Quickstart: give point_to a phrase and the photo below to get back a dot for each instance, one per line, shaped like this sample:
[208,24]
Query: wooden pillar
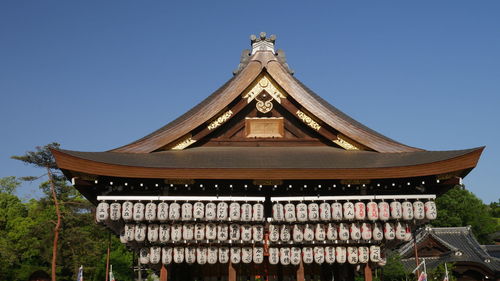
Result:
[231,272]
[163,273]
[368,272]
[300,272]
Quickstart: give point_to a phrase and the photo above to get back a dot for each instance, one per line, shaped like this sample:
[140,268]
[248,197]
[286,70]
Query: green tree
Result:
[42,158]
[9,184]
[460,207]
[394,269]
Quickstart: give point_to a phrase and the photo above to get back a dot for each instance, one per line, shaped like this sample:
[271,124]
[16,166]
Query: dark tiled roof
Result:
[269,157]
[462,245]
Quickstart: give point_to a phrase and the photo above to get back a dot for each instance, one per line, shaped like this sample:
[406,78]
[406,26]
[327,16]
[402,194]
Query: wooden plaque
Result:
[271,127]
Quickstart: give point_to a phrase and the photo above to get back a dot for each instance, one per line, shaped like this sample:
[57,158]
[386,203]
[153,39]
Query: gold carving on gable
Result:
[185,142]
[345,144]
[220,120]
[264,102]
[308,120]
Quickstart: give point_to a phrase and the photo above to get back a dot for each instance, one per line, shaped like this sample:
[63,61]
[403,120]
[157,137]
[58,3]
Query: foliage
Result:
[460,207]
[9,184]
[394,269]
[439,272]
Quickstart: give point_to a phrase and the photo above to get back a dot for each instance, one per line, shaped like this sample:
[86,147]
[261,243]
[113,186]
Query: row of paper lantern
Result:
[246,212]
[372,211]
[283,255]
[174,211]
[165,233]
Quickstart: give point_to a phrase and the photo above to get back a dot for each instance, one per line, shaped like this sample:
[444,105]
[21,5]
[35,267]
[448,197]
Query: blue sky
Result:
[94,75]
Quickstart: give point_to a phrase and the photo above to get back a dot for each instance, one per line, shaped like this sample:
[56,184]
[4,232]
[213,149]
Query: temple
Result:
[264,178]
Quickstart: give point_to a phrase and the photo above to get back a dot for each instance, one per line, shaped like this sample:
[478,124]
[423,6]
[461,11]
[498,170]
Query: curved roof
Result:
[269,163]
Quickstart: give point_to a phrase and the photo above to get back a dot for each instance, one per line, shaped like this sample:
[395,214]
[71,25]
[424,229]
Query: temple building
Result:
[264,179]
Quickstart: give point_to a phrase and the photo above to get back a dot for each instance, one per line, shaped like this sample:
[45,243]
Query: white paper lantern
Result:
[313,211]
[274,233]
[210,231]
[123,237]
[222,232]
[153,234]
[418,210]
[319,255]
[355,231]
[246,232]
[154,255]
[144,255]
[331,232]
[258,255]
[372,211]
[382,262]
[188,231]
[190,255]
[407,210]
[396,210]
[162,211]
[258,212]
[307,255]
[297,233]
[274,256]
[278,212]
[199,232]
[295,255]
[164,233]
[301,212]
[176,234]
[364,254]
[129,232]
[430,210]
[178,254]
[389,231]
[285,256]
[234,232]
[325,211]
[127,211]
[341,254]
[212,255]
[308,232]
[210,211]
[360,210]
[290,212]
[366,231]
[150,213]
[384,211]
[102,212]
[374,253]
[246,254]
[378,232]
[222,209]
[174,211]
[187,211]
[246,212]
[223,254]
[285,233]
[258,232]
[329,254]
[235,255]
[234,211]
[198,211]
[320,232]
[201,254]
[140,232]
[408,235]
[115,212]
[138,211]
[166,255]
[400,231]
[348,210]
[343,231]
[337,211]
[352,255]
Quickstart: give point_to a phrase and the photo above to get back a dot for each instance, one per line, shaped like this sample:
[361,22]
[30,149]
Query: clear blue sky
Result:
[94,75]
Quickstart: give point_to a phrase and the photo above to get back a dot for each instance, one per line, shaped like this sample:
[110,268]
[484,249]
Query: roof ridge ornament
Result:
[262,43]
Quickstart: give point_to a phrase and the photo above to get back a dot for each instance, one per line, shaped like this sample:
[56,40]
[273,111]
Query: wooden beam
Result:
[163,273]
[231,272]
[368,272]
[300,272]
